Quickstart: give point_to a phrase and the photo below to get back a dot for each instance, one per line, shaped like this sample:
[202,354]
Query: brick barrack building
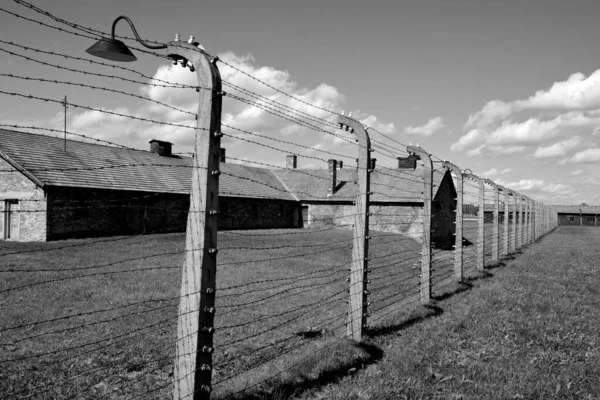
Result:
[87,190]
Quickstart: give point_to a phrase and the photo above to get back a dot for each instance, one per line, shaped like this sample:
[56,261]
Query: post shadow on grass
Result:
[310,374]
[416,316]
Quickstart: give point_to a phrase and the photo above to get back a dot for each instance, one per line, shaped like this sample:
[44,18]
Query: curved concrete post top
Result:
[453,167]
[423,155]
[491,183]
[474,178]
[354,126]
[207,73]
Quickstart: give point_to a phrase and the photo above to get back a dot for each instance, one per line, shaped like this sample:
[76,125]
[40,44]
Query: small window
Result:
[224,207]
[254,210]
[570,218]
[281,210]
[591,219]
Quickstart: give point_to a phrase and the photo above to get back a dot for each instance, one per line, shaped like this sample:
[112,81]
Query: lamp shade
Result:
[111,49]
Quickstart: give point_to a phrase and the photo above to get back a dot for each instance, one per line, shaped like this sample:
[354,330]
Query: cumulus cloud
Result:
[429,128]
[526,184]
[372,122]
[490,172]
[489,114]
[586,156]
[495,172]
[558,149]
[574,104]
[487,150]
[296,121]
[556,188]
[575,93]
[577,172]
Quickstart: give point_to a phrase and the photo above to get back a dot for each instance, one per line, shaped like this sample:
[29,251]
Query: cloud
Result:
[372,122]
[575,93]
[574,104]
[526,184]
[577,172]
[487,150]
[585,156]
[432,126]
[489,172]
[489,114]
[296,121]
[494,172]
[558,149]
[556,188]
[471,138]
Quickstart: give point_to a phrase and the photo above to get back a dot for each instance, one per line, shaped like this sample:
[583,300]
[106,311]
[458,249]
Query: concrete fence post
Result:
[526,220]
[194,347]
[458,239]
[357,310]
[519,220]
[425,287]
[534,220]
[506,249]
[513,235]
[496,225]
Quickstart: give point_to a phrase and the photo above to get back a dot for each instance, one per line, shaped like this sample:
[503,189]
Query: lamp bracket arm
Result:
[139,39]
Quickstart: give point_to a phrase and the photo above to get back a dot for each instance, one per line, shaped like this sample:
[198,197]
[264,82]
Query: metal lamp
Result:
[115,50]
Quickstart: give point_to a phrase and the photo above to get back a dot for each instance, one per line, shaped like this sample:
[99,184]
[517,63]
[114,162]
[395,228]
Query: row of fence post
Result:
[193,364]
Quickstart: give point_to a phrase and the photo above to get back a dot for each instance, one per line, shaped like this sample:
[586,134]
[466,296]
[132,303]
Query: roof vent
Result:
[161,148]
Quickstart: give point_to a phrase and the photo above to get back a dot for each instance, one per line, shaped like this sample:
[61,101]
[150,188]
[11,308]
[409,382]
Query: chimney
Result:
[222,155]
[291,161]
[373,162]
[340,164]
[161,148]
[332,177]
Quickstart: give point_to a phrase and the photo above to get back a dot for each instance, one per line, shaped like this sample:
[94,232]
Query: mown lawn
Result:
[531,330]
[97,318]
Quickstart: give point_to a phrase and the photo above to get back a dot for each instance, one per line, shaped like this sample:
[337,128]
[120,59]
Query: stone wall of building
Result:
[28,205]
[403,219]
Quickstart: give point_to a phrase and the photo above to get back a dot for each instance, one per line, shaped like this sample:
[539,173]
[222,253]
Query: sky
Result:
[508,89]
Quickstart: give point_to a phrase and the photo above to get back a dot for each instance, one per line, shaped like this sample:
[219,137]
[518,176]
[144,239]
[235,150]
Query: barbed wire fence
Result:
[370,235]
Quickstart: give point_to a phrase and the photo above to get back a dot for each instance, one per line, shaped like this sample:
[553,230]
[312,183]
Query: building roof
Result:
[583,209]
[89,165]
[387,185]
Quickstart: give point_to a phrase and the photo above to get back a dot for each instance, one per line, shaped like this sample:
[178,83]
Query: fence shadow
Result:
[309,375]
[415,316]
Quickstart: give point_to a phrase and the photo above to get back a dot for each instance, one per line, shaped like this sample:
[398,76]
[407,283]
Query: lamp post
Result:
[193,363]
[115,50]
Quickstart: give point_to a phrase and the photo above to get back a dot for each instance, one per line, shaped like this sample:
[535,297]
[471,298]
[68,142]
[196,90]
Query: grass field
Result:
[96,318]
[529,331]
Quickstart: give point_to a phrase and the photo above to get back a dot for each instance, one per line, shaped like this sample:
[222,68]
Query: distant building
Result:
[581,215]
[396,203]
